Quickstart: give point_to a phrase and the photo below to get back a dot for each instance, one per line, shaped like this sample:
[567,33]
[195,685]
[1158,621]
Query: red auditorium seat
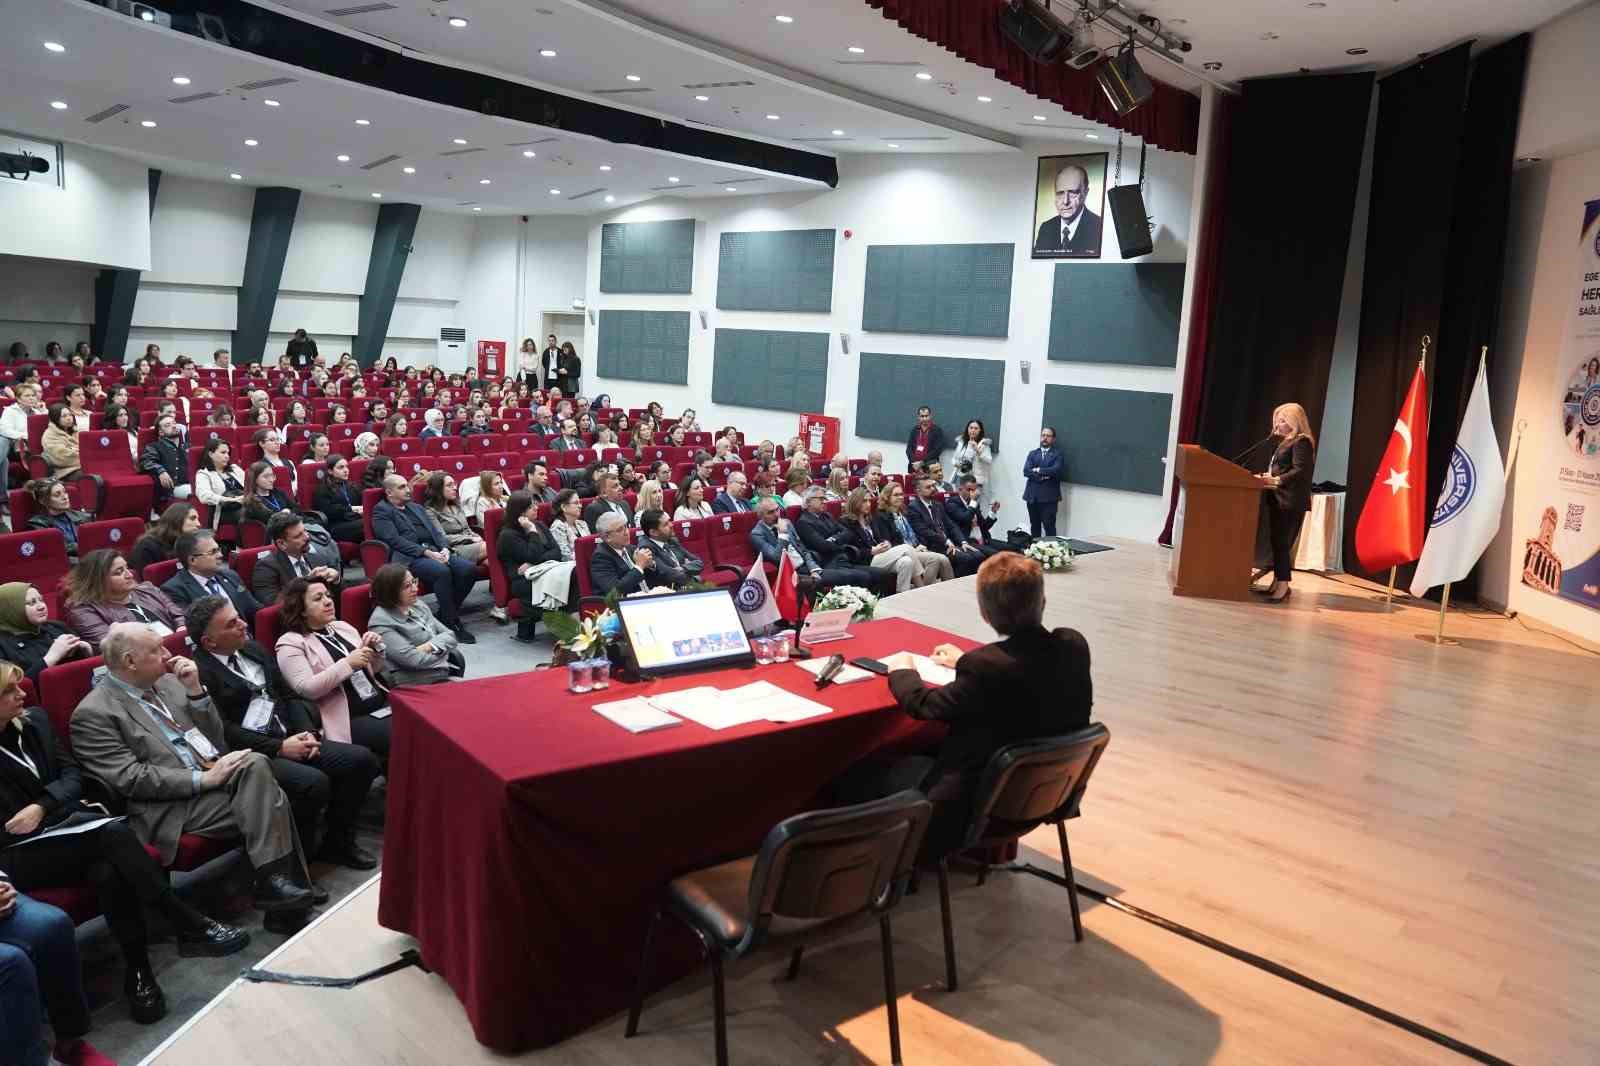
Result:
[243,562]
[401,447]
[267,628]
[355,605]
[499,580]
[441,445]
[159,573]
[695,536]
[729,535]
[39,557]
[117,533]
[127,493]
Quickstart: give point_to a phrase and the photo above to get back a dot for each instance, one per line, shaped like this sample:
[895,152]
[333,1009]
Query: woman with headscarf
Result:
[28,636]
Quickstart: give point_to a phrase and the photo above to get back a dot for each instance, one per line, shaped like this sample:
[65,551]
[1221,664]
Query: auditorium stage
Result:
[1409,824]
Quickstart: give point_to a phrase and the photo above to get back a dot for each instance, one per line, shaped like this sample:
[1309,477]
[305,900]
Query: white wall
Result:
[43,301]
[100,214]
[915,200]
[1558,114]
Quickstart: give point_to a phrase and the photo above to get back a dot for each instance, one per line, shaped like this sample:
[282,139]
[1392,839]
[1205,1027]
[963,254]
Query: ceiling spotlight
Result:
[555,192]
[730,188]
[529,153]
[893,145]
[483,181]
[458,140]
[548,53]
[236,177]
[1038,118]
[458,22]
[610,198]
[632,77]
[785,19]
[1092,136]
[270,103]
[342,158]
[923,75]
[857,50]
[363,122]
[148,123]
[377,196]
[605,166]
[250,142]
[1211,64]
[1355,51]
[837,133]
[52,46]
[773,118]
[59,105]
[179,79]
[147,16]
[408,170]
[477,209]
[702,98]
[985,99]
[673,180]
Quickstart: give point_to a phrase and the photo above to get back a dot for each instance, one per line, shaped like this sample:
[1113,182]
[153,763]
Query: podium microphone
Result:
[1240,457]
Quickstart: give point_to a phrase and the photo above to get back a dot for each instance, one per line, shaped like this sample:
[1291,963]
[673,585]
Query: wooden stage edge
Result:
[1409,824]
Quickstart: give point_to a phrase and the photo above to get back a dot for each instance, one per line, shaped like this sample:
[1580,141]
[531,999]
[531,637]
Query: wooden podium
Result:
[1214,535]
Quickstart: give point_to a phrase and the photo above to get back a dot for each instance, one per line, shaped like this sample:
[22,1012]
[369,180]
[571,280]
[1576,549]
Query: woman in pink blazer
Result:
[326,661]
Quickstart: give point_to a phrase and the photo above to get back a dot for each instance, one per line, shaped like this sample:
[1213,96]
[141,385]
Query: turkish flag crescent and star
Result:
[1393,520]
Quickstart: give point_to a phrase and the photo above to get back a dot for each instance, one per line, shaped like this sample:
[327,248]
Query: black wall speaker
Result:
[1033,29]
[1133,225]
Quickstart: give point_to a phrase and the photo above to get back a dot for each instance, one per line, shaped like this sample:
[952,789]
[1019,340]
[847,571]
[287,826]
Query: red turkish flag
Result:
[786,590]
[1389,531]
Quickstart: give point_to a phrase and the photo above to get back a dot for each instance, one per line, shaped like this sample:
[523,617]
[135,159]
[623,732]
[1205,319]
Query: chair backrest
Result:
[118,533]
[355,605]
[62,688]
[441,444]
[39,557]
[306,484]
[730,539]
[159,573]
[582,553]
[1033,782]
[267,628]
[105,452]
[369,500]
[400,446]
[694,535]
[499,580]
[831,864]
[243,562]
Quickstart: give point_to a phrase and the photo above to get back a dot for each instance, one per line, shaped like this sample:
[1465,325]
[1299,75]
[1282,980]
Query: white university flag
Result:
[1467,516]
[758,608]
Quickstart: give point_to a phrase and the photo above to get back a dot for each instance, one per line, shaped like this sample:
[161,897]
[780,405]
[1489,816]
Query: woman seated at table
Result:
[339,501]
[219,483]
[442,499]
[53,510]
[1032,683]
[102,591]
[41,789]
[326,661]
[28,636]
[157,543]
[565,525]
[420,649]
[693,503]
[543,574]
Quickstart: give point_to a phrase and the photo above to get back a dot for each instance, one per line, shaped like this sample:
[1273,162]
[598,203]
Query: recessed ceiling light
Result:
[730,188]
[773,118]
[985,99]
[1355,51]
[236,177]
[477,209]
[1038,118]
[458,22]
[555,192]
[342,158]
[673,180]
[483,181]
[785,19]
[179,79]
[408,170]
[529,153]
[147,16]
[377,196]
[1211,64]
[270,103]
[250,142]
[610,198]
[923,75]
[1092,136]
[458,140]
[548,53]
[605,166]
[54,47]
[148,123]
[837,133]
[363,122]
[857,50]
[702,98]
[893,145]
[632,77]
[59,105]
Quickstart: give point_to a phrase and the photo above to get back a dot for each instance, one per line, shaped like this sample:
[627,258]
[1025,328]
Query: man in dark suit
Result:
[610,501]
[674,565]
[165,460]
[966,511]
[1042,471]
[938,533]
[569,441]
[833,545]
[201,572]
[616,564]
[259,714]
[926,441]
[416,540]
[772,537]
[549,360]
[735,498]
[289,558]
[1074,230]
[538,485]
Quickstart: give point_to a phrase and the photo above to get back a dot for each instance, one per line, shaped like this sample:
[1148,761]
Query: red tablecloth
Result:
[527,836]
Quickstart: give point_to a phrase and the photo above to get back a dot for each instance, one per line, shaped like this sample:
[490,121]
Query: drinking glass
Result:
[579,675]
[600,673]
[763,646]
[780,646]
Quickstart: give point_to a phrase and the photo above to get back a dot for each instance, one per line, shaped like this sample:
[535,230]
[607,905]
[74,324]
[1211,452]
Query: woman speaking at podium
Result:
[1288,481]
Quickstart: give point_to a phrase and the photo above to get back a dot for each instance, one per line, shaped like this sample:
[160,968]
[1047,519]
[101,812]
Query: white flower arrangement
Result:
[1052,555]
[862,603]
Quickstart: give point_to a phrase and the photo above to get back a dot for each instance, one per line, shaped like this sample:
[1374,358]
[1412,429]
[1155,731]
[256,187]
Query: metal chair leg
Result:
[643,988]
[950,982]
[719,1006]
[794,964]
[1072,884]
[890,996]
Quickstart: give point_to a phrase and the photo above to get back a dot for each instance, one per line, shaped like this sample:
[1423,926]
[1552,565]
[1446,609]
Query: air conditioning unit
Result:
[452,355]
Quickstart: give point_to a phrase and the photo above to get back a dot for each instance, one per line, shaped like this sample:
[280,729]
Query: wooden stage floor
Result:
[1412,825]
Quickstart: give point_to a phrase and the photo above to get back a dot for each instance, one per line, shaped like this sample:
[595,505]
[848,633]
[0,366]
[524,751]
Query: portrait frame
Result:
[1088,236]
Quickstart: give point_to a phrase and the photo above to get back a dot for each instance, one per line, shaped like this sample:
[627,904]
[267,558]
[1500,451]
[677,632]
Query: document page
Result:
[636,715]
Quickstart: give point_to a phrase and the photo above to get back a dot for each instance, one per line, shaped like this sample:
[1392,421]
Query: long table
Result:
[527,836]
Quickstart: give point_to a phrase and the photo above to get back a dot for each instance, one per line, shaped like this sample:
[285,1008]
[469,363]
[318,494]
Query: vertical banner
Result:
[820,433]
[1563,557]
[491,359]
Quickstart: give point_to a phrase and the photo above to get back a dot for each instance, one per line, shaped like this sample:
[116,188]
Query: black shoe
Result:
[524,635]
[284,922]
[146,1002]
[279,892]
[462,635]
[319,895]
[348,855]
[213,939]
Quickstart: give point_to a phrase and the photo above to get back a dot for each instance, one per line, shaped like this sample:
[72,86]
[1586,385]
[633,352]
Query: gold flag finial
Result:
[1426,340]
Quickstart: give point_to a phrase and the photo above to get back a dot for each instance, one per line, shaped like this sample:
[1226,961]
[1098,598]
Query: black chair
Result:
[1025,786]
[817,875]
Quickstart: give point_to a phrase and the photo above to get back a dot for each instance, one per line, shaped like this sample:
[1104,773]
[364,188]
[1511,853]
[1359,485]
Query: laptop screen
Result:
[685,629]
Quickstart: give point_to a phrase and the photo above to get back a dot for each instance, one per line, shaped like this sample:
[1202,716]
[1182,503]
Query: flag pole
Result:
[1444,605]
[1388,597]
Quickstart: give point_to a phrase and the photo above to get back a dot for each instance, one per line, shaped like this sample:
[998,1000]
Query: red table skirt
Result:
[527,836]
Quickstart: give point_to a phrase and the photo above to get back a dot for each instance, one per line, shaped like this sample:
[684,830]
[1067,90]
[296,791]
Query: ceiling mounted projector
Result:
[1124,82]
[1033,28]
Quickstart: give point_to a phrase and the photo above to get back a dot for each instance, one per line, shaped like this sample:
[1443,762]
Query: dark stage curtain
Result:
[1414,172]
[969,28]
[1207,271]
[1292,171]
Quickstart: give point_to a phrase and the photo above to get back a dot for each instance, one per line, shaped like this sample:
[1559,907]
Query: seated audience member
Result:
[219,483]
[833,546]
[318,448]
[693,503]
[28,636]
[263,498]
[339,501]
[630,476]
[482,494]
[772,537]
[76,399]
[882,554]
[538,485]
[766,452]
[568,441]
[41,789]
[442,500]
[478,424]
[838,484]
[327,662]
[393,427]
[660,472]
[119,417]
[202,572]
[705,467]
[102,591]
[376,471]
[166,460]
[14,429]
[609,501]
[542,575]
[1032,683]
[59,445]
[415,540]
[673,565]
[934,470]
[966,512]
[40,976]
[872,480]
[155,739]
[585,480]
[616,563]
[432,423]
[566,525]
[419,649]
[270,441]
[260,714]
[891,523]
[937,532]
[221,416]
[53,510]
[796,482]
[650,497]
[735,497]
[161,537]
[291,557]
[838,462]
[368,446]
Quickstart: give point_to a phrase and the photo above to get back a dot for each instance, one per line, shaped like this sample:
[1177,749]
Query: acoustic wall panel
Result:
[645,346]
[891,388]
[958,290]
[778,370]
[776,270]
[1112,438]
[655,257]
[1116,313]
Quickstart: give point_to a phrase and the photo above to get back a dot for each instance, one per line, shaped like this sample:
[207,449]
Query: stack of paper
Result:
[814,667]
[710,707]
[931,672]
[636,715]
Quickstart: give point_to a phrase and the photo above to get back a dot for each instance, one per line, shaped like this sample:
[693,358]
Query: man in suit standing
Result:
[674,565]
[966,512]
[735,498]
[1074,230]
[416,540]
[201,572]
[155,739]
[1042,471]
[616,564]
[550,360]
[938,533]
[259,714]
[610,501]
[290,558]
[926,441]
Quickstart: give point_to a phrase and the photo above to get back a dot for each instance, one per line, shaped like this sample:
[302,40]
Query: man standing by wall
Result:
[926,441]
[301,350]
[1042,471]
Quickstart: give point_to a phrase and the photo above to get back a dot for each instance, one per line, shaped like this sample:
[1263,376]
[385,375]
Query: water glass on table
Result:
[580,675]
[600,673]
[780,645]
[763,648]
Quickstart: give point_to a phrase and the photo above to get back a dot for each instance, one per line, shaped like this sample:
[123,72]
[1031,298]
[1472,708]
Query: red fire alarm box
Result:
[491,359]
[820,434]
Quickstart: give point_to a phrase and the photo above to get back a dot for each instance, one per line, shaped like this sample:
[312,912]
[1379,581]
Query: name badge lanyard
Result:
[206,761]
[22,758]
[256,692]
